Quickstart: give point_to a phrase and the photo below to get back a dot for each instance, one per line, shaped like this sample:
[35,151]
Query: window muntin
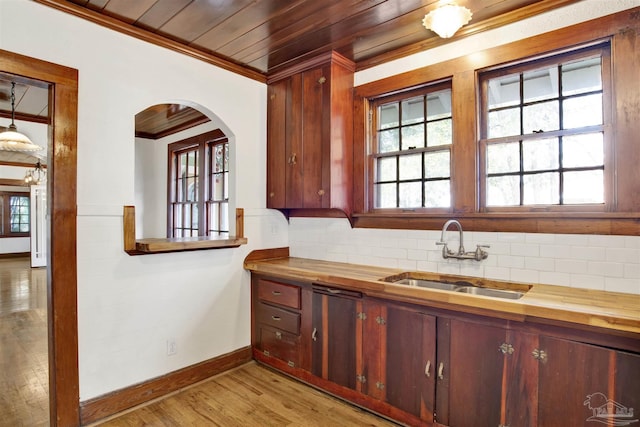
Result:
[412,153]
[199,187]
[15,211]
[544,140]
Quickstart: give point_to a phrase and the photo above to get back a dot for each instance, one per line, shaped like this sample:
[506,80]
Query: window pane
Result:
[542,116]
[226,186]
[582,76]
[439,105]
[504,123]
[413,110]
[583,150]
[218,186]
[387,169]
[504,91]
[388,140]
[410,167]
[388,116]
[503,158]
[584,187]
[224,217]
[503,191]
[540,154]
[214,214]
[582,111]
[437,194]
[385,195]
[410,194]
[19,214]
[439,133]
[413,137]
[540,84]
[437,165]
[219,158]
[541,189]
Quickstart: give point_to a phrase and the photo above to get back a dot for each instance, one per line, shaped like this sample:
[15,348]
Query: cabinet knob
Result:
[540,355]
[272,194]
[506,348]
[322,80]
[320,192]
[292,159]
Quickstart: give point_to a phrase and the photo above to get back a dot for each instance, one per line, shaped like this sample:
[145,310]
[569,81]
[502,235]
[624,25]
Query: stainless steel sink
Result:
[431,284]
[457,286]
[489,292]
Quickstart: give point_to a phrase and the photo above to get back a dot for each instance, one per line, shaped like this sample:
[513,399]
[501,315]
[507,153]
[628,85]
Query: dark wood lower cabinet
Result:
[435,367]
[334,353]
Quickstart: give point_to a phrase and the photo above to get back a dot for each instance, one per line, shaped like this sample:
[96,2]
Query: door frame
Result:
[62,315]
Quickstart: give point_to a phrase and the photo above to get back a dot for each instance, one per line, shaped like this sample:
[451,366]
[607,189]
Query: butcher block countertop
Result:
[618,313]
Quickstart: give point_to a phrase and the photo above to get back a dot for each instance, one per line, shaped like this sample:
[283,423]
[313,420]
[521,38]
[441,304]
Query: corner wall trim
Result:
[109,404]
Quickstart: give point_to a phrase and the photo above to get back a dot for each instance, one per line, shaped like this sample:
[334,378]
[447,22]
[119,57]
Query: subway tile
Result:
[617,284]
[585,281]
[431,267]
[540,238]
[555,278]
[407,264]
[587,253]
[511,237]
[496,273]
[623,255]
[571,266]
[608,269]
[414,254]
[540,264]
[524,275]
[606,241]
[632,271]
[524,249]
[511,261]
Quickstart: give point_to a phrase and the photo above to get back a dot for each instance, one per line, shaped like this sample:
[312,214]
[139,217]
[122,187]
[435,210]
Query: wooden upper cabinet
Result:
[309,136]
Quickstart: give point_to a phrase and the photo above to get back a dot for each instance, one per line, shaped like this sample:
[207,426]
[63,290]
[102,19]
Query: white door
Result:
[38,225]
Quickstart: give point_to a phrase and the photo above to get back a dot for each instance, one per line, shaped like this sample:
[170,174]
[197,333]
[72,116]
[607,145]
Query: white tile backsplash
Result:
[609,263]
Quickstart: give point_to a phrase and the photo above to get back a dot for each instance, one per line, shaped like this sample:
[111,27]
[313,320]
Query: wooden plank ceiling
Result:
[257,38]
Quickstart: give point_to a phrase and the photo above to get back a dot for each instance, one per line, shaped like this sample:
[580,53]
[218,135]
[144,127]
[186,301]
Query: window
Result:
[543,135]
[412,154]
[16,212]
[199,186]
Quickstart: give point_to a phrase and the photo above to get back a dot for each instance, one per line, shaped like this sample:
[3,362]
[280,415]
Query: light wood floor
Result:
[248,396]
[24,378]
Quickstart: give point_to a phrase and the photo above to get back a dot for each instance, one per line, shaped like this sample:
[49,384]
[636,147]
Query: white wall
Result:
[14,245]
[597,262]
[129,306]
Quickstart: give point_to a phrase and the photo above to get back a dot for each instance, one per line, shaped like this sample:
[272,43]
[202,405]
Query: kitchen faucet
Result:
[478,254]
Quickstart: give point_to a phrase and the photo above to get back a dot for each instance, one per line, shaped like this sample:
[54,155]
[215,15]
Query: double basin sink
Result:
[505,291]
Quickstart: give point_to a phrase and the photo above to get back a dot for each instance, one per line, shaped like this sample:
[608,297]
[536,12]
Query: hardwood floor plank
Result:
[251,395]
[24,374]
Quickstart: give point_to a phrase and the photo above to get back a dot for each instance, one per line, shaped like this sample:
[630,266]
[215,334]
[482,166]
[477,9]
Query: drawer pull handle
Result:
[441,371]
[279,335]
[276,293]
[275,318]
[427,368]
[314,334]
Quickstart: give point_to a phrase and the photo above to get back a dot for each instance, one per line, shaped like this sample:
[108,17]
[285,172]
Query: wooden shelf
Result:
[134,246]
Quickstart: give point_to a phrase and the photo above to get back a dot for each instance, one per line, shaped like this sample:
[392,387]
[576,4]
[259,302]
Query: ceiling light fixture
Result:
[11,139]
[447,19]
[36,176]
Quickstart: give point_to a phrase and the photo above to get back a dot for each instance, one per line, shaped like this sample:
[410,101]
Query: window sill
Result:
[620,223]
[134,246]
[155,246]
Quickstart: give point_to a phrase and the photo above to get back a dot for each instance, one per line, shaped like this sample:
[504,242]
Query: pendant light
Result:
[11,139]
[36,176]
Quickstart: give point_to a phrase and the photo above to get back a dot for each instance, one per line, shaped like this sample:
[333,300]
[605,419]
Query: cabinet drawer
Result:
[278,318]
[277,343]
[279,293]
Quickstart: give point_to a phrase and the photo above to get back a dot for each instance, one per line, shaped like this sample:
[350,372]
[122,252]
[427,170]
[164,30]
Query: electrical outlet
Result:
[172,347]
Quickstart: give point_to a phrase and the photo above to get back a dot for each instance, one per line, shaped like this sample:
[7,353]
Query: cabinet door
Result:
[314,135]
[475,373]
[581,384]
[334,354]
[277,143]
[410,361]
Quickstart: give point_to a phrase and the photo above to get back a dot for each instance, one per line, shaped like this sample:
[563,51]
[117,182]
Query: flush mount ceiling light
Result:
[11,139]
[447,19]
